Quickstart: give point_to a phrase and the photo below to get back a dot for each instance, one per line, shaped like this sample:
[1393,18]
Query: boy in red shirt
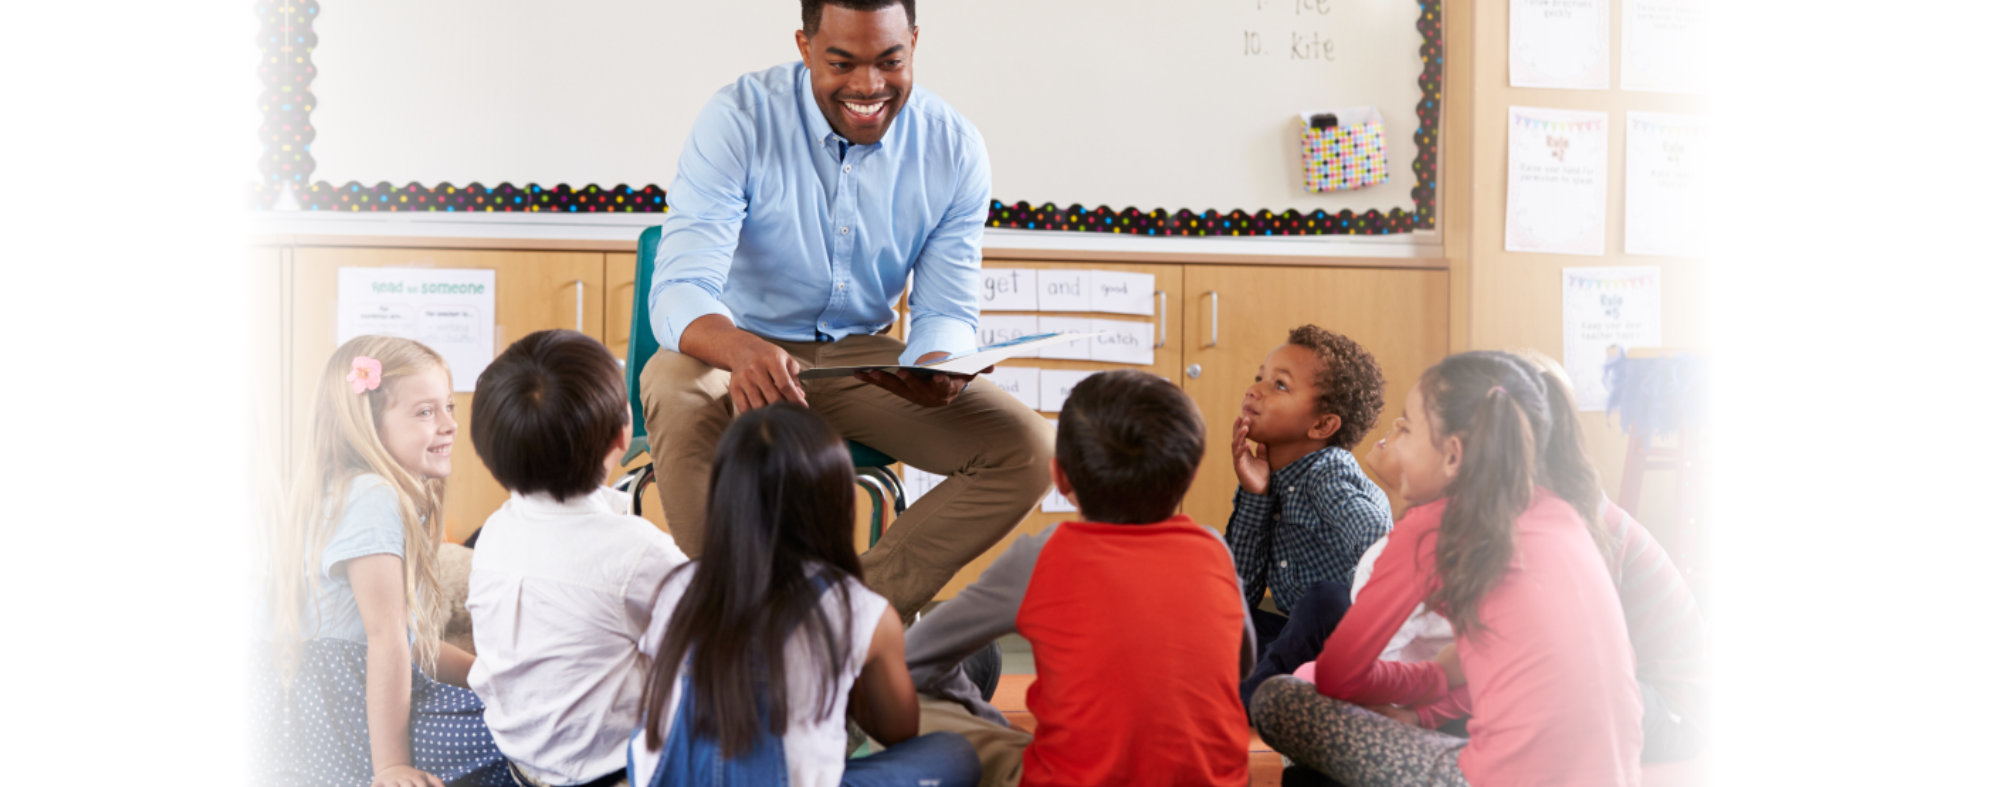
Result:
[1138,626]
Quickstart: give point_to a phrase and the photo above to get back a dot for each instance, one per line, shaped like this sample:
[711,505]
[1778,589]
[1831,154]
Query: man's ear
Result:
[1057,475]
[805,47]
[1324,427]
[1454,452]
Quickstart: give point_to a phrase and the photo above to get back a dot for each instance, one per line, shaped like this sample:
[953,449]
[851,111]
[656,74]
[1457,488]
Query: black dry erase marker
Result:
[1325,120]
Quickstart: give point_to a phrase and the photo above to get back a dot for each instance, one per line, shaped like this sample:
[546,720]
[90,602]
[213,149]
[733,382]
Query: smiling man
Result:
[807,195]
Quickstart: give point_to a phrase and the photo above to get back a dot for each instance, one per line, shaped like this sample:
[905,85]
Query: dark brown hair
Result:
[809,10]
[1349,382]
[547,411]
[1518,432]
[780,510]
[1129,443]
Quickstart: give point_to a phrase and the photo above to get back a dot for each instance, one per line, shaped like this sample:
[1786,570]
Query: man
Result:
[807,195]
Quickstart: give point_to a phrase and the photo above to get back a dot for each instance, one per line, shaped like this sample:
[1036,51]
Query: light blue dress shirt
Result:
[779,224]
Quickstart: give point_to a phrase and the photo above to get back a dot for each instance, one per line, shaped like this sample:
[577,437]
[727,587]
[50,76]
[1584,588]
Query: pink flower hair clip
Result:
[366,375]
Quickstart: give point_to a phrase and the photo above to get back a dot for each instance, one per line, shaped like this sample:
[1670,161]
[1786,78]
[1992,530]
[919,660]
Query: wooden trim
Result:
[438,242]
[1190,258]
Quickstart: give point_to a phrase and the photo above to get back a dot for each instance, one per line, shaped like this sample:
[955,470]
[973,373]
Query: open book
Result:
[965,363]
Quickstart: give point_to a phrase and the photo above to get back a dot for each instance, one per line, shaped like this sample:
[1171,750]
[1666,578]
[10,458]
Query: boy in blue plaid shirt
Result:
[1305,511]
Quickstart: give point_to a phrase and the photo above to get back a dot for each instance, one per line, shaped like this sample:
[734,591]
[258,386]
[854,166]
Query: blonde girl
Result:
[364,691]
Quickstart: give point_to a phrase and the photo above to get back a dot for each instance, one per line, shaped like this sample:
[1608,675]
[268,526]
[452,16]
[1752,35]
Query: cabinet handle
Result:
[579,306]
[1214,318]
[1160,299]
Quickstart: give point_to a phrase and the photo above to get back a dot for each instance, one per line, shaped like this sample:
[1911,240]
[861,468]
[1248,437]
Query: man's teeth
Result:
[863,110]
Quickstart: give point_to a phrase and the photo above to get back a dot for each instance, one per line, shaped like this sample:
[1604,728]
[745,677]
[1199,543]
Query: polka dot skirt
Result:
[317,733]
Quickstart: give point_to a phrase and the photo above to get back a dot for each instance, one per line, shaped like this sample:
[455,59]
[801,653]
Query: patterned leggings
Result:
[1357,746]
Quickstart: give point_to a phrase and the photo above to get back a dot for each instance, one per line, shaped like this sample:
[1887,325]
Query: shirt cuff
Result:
[678,306]
[931,334]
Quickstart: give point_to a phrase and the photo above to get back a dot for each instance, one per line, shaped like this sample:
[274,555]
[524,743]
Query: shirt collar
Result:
[816,123]
[540,503]
[1304,465]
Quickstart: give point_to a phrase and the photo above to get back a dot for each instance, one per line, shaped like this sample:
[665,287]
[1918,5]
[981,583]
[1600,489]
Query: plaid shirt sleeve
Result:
[1249,539]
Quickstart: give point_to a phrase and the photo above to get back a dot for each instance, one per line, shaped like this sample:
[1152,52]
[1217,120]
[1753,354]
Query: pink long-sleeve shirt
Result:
[1549,681]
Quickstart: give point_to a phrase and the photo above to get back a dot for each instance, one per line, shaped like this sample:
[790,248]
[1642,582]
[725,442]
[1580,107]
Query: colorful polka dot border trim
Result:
[286,71]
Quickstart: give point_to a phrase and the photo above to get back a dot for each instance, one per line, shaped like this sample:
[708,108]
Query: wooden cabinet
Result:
[1236,314]
[1222,318]
[532,291]
[1166,363]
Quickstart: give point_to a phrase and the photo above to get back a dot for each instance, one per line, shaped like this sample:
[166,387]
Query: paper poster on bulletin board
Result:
[1559,43]
[1663,183]
[1662,45]
[1556,180]
[1606,311]
[448,309]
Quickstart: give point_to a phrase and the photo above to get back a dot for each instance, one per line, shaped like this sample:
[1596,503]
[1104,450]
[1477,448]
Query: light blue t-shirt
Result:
[369,525]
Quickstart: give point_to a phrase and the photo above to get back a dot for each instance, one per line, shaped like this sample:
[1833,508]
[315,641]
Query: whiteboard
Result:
[1173,104]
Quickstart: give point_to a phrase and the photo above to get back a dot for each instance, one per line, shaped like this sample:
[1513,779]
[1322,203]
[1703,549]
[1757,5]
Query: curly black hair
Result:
[1349,381]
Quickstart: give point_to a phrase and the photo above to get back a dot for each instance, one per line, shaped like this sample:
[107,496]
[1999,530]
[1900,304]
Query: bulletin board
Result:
[1165,118]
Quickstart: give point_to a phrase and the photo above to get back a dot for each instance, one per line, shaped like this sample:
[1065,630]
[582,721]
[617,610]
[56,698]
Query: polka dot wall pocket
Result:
[1343,149]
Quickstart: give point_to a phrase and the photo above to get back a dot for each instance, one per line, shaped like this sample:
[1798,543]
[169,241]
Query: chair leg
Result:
[876,494]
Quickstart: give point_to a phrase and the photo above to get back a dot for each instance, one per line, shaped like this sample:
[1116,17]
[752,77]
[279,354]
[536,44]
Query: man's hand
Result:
[761,373]
[1447,659]
[925,389]
[1253,467]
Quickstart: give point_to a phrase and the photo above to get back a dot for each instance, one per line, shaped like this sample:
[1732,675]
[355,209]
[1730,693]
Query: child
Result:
[1138,627]
[1304,510]
[1498,485]
[563,582]
[355,597]
[764,646]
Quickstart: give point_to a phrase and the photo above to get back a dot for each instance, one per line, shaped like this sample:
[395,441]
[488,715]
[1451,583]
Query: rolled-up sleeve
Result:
[705,209]
[944,305]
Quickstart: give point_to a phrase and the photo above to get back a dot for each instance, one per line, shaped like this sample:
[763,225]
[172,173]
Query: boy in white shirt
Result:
[563,581]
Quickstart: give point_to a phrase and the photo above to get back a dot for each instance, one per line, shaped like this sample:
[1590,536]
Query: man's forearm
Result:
[710,338]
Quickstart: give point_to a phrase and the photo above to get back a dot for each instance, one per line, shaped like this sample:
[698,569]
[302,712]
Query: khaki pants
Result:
[993,448]
[999,748]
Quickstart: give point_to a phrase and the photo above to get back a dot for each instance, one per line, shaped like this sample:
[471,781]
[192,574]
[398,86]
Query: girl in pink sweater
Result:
[1503,541]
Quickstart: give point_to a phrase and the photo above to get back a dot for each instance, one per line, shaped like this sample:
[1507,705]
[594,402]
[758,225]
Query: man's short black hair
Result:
[809,10]
[1129,442]
[547,411]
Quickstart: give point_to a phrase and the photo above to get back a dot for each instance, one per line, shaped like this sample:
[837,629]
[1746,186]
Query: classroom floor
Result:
[1017,670]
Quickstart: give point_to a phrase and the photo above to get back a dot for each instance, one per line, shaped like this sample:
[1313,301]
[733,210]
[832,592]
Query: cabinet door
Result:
[1236,315]
[532,291]
[1166,363]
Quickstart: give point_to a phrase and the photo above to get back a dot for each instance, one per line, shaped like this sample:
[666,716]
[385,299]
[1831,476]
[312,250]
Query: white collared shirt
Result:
[560,595]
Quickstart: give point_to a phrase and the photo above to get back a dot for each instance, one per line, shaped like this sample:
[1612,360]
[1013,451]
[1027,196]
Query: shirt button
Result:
[848,168]
[1289,489]
[1284,564]
[840,286]
[843,230]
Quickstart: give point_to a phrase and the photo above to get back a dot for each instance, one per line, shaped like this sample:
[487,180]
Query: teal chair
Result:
[871,467]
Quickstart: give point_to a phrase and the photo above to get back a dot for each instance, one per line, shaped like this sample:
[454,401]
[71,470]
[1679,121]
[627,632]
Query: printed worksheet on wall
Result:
[1556,184]
[449,310]
[1606,312]
[1664,159]
[1559,43]
[1661,45]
